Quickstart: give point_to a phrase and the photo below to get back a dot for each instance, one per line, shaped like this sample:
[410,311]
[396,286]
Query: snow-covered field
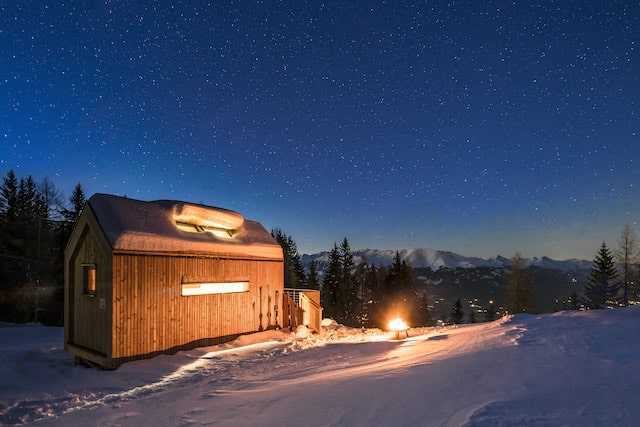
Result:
[569,368]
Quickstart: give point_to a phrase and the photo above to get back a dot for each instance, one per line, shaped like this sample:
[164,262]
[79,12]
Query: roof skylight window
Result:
[199,219]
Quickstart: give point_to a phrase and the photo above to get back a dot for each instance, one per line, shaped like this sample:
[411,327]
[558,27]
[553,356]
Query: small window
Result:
[89,279]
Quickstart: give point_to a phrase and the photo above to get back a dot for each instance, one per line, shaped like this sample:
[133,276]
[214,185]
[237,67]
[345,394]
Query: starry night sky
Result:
[477,127]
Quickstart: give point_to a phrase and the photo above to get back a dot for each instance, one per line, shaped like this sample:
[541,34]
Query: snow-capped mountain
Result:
[446,276]
[436,259]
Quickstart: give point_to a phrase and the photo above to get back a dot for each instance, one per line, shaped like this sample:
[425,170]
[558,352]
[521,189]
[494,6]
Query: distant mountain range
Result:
[435,260]
[445,276]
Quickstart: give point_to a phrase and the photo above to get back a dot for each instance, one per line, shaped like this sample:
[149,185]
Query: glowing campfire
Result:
[398,325]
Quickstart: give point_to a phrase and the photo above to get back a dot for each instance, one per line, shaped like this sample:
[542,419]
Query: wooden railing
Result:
[302,307]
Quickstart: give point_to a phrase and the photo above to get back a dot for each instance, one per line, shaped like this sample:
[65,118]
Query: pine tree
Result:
[424,314]
[26,205]
[9,201]
[472,316]
[519,294]
[49,201]
[375,296]
[339,291]
[374,284]
[363,292]
[28,219]
[78,201]
[312,277]
[52,198]
[491,314]
[398,280]
[11,272]
[602,287]
[32,243]
[348,290]
[399,294]
[294,275]
[296,264]
[346,258]
[331,283]
[574,301]
[627,256]
[71,215]
[457,315]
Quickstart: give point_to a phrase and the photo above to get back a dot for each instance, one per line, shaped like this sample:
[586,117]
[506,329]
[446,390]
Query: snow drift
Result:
[567,368]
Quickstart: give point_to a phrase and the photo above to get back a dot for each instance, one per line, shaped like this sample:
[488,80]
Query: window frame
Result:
[189,289]
[89,279]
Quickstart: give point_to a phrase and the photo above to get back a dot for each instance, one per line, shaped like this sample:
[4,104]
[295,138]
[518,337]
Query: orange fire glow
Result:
[398,324]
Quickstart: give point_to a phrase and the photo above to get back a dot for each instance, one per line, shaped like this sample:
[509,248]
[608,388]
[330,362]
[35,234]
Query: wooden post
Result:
[260,315]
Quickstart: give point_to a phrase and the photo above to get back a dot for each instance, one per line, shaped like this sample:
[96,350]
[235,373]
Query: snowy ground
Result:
[569,368]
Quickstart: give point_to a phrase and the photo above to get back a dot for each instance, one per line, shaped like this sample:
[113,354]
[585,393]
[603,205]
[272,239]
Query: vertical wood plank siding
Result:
[150,316]
[92,323]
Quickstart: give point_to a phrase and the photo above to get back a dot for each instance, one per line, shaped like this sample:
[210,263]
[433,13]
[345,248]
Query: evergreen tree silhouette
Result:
[602,288]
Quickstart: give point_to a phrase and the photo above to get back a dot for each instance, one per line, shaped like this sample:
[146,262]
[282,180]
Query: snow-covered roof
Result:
[176,227]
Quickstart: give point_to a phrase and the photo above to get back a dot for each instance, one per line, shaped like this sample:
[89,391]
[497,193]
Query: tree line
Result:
[35,224]
[36,221]
[365,295]
[362,295]
[612,281]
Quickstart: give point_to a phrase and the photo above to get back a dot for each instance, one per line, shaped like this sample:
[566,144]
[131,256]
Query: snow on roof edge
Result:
[149,227]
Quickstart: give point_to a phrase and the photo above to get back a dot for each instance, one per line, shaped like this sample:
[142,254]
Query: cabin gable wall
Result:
[88,314]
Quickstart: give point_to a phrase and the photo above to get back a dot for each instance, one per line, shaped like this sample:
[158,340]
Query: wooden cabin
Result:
[149,278]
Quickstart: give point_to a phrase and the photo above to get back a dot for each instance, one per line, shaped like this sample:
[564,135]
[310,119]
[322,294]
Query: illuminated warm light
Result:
[398,324]
[189,289]
[89,279]
[193,228]
[200,219]
[208,217]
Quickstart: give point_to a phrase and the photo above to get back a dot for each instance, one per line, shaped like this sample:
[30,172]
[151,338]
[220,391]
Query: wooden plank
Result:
[159,319]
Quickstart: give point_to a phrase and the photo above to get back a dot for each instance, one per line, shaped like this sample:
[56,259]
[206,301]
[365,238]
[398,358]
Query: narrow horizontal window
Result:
[189,289]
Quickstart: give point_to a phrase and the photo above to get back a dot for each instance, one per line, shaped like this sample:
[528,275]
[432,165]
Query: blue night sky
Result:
[477,127]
